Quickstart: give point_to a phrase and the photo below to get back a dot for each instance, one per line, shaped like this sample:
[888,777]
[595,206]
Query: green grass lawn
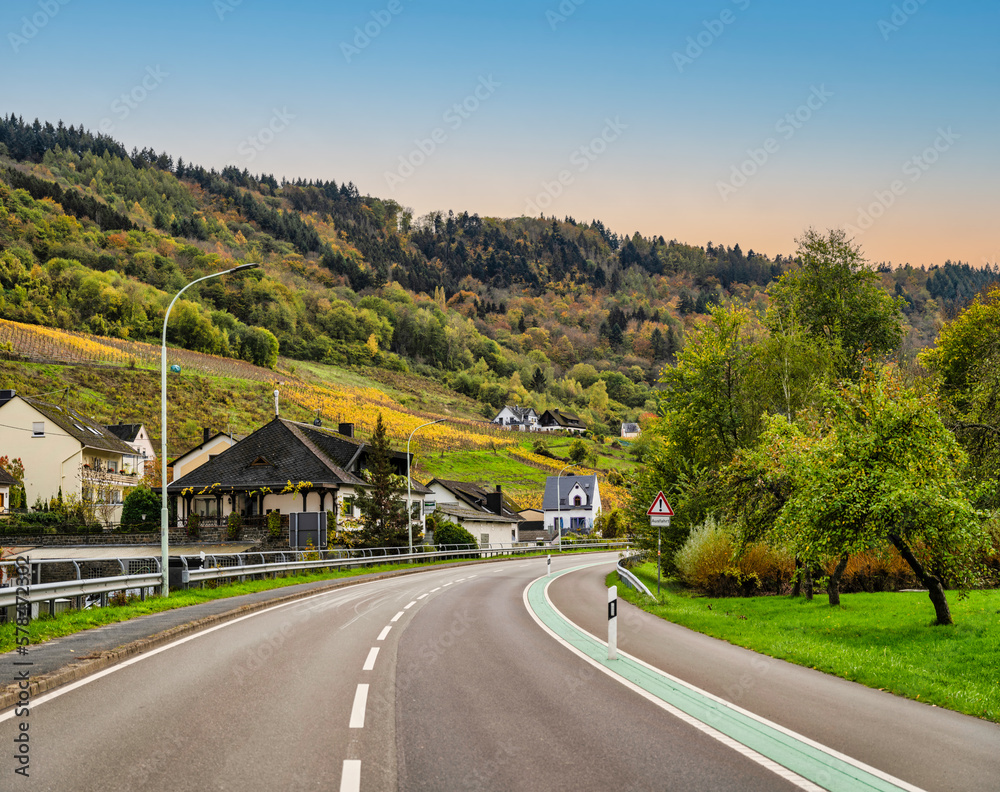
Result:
[883,640]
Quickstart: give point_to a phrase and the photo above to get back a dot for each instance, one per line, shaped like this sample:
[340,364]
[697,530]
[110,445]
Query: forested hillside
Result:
[535,311]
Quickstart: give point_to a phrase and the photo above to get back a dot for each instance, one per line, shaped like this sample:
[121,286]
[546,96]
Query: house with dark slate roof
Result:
[559,420]
[64,450]
[571,503]
[489,516]
[324,466]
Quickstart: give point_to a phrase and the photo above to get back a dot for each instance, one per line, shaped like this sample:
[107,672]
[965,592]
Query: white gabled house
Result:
[524,419]
[571,503]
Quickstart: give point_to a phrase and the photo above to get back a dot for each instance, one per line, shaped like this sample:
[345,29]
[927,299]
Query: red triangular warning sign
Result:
[660,507]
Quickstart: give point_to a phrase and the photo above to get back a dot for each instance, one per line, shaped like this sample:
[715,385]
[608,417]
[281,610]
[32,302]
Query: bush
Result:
[194,526]
[448,533]
[234,526]
[708,562]
[141,509]
[880,569]
[274,525]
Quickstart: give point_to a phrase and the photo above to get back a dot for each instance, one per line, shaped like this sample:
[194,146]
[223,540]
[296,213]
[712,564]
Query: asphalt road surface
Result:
[443,680]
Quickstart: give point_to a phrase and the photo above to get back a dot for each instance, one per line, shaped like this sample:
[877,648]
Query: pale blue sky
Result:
[686,95]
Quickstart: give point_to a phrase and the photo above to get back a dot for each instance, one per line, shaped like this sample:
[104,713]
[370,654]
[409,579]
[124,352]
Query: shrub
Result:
[709,563]
[141,509]
[274,525]
[234,526]
[194,526]
[879,569]
[448,533]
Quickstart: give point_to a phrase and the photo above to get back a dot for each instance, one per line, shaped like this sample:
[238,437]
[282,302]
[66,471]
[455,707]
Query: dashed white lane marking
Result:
[370,660]
[447,584]
[407,607]
[350,778]
[433,590]
[397,617]
[385,632]
[360,705]
[422,596]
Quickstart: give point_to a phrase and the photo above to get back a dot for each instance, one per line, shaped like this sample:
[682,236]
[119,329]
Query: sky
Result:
[723,121]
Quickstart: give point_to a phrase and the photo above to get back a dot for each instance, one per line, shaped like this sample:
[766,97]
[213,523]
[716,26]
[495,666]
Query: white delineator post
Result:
[548,564]
[613,623]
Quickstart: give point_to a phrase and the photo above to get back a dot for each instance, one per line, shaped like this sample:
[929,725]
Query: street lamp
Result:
[164,539]
[559,505]
[409,500]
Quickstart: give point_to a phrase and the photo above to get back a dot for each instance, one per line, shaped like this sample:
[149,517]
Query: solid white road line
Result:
[360,705]
[370,660]
[350,778]
[397,617]
[385,632]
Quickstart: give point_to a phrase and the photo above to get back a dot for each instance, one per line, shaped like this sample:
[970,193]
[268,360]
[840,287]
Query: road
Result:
[443,680]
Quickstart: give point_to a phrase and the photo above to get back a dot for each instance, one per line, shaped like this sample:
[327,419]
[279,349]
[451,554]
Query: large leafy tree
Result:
[886,470]
[383,510]
[836,295]
[966,360]
[715,402]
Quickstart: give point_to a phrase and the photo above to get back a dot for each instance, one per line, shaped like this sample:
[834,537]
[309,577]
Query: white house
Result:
[524,419]
[136,437]
[630,431]
[571,503]
[63,450]
[483,514]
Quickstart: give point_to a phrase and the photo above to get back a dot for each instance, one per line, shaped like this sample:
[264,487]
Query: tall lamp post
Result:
[409,498]
[559,505]
[164,537]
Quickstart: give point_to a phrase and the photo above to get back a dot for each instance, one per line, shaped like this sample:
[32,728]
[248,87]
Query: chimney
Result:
[6,395]
[206,434]
[346,429]
[494,501]
[276,393]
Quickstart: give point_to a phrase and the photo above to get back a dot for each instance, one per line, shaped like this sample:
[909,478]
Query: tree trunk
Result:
[797,575]
[833,587]
[935,589]
[809,582]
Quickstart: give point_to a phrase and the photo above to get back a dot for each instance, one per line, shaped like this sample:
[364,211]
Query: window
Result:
[577,523]
[112,466]
[484,539]
[576,501]
[349,506]
[38,429]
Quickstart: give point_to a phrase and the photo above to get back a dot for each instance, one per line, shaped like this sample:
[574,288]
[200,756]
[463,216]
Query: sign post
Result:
[613,623]
[659,517]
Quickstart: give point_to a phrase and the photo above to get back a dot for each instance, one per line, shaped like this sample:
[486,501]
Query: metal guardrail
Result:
[632,581]
[225,566]
[213,567]
[44,592]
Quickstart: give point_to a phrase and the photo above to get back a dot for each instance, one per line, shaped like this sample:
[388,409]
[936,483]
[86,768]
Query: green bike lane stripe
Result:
[803,762]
